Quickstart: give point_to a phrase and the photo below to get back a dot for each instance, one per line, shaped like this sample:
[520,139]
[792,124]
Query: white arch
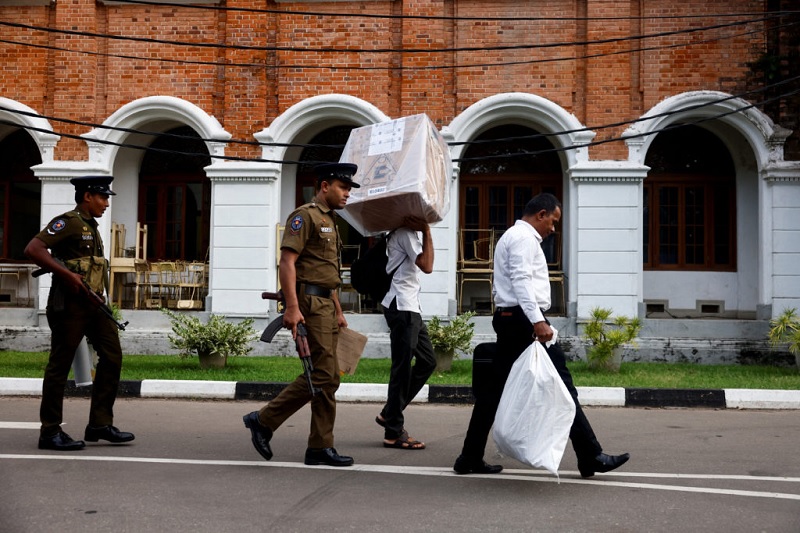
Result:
[312,115]
[525,109]
[764,137]
[37,127]
[158,114]
[299,124]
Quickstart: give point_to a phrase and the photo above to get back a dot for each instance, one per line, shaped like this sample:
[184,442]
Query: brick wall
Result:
[600,83]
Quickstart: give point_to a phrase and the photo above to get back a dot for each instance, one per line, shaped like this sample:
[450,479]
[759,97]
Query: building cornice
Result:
[607,171]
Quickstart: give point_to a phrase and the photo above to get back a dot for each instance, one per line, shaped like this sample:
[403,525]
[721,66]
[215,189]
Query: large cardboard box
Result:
[404,168]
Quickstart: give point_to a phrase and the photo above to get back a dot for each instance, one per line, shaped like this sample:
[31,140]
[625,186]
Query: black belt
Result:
[313,290]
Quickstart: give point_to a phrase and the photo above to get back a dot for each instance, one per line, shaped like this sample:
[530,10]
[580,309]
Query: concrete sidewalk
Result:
[358,392]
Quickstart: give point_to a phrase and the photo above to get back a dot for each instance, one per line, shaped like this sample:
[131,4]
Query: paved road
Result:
[192,468]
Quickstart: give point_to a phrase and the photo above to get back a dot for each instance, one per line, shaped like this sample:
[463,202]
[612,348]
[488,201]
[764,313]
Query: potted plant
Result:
[607,337]
[449,337]
[212,342]
[786,329]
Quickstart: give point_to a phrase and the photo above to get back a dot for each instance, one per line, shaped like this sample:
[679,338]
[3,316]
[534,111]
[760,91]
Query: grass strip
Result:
[285,369]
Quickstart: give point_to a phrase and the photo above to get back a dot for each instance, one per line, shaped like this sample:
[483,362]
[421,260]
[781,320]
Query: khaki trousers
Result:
[323,332]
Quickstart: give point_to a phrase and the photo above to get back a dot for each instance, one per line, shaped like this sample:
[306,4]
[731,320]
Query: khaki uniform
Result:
[71,236]
[311,232]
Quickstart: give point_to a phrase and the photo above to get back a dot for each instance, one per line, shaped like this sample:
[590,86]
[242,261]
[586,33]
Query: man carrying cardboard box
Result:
[410,251]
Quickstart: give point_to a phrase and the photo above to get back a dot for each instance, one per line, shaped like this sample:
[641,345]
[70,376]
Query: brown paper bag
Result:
[349,349]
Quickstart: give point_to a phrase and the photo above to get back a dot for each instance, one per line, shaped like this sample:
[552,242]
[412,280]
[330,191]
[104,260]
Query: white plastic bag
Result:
[82,365]
[535,413]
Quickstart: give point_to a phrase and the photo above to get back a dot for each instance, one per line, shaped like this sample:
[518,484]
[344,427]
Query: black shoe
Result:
[603,463]
[61,442]
[109,433]
[327,456]
[260,435]
[465,466]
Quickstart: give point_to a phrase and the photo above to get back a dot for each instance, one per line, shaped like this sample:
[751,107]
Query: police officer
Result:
[309,275]
[78,266]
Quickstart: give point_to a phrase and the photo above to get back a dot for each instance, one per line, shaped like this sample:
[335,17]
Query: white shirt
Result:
[520,272]
[403,248]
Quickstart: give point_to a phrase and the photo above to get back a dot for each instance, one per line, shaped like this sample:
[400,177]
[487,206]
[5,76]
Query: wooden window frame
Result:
[537,183]
[653,226]
[157,232]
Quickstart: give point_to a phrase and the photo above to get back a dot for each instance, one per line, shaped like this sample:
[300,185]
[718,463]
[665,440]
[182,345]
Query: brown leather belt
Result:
[313,290]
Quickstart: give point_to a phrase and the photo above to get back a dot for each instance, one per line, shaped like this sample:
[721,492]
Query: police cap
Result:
[341,171]
[94,184]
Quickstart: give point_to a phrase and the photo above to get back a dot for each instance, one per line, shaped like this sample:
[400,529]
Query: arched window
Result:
[175,197]
[326,146]
[689,203]
[503,168]
[20,194]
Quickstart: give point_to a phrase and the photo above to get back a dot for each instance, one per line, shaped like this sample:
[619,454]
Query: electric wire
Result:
[242,47]
[481,158]
[433,17]
[390,67]
[599,127]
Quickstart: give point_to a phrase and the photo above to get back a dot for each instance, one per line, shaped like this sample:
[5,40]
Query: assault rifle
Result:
[300,341]
[96,298]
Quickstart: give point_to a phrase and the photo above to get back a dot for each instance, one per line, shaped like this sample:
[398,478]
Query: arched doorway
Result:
[20,213]
[20,194]
[501,170]
[689,225]
[175,196]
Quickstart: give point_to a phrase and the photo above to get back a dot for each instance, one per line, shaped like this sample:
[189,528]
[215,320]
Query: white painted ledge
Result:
[21,386]
[157,388]
[602,396]
[762,399]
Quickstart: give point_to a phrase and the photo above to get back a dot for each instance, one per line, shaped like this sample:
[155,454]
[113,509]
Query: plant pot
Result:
[211,360]
[608,364]
[444,359]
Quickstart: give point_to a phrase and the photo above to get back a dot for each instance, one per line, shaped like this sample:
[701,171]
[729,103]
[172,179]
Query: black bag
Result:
[482,372]
[368,273]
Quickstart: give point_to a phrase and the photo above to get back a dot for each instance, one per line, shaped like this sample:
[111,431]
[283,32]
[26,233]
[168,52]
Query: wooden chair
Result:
[122,265]
[558,280]
[475,261]
[192,285]
[350,252]
[278,238]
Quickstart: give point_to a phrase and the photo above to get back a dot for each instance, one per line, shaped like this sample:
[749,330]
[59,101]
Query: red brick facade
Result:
[254,65]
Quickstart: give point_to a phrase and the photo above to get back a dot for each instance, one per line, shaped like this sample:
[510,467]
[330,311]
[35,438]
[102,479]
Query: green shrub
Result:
[192,337]
[606,334]
[455,335]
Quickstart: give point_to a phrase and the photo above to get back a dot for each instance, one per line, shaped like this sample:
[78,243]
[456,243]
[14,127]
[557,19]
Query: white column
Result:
[244,214]
[606,234]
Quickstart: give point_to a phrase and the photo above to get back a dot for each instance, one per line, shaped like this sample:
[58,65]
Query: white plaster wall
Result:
[683,289]
[438,287]
[608,257]
[749,245]
[243,234]
[786,246]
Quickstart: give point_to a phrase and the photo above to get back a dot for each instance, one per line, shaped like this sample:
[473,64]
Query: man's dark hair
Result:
[79,196]
[545,201]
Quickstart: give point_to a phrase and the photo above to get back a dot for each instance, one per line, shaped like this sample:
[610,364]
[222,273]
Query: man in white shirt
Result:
[410,250]
[521,293]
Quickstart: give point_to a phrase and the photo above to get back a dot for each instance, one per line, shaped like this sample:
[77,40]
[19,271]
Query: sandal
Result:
[405,442]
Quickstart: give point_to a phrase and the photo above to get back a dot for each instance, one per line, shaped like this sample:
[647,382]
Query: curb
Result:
[455,394]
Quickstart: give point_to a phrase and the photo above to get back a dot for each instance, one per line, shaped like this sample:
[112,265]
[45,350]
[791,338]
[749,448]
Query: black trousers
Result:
[410,342]
[68,328]
[514,335]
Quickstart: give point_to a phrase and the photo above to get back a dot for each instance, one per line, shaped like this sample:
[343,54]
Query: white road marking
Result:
[514,475]
[19,425]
